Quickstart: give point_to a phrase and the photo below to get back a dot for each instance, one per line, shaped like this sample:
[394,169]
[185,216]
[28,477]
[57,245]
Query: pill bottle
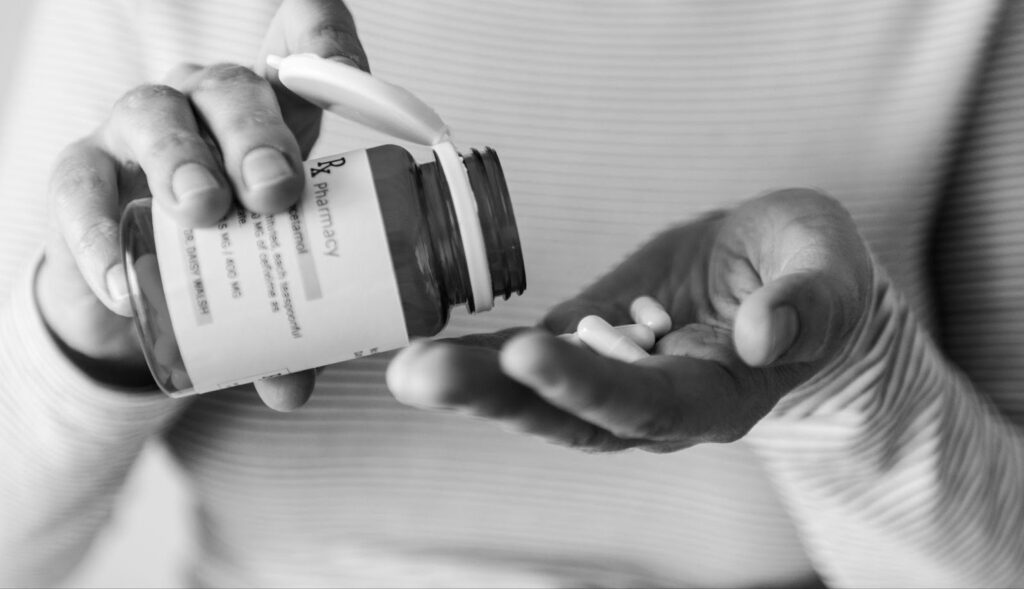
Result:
[378,250]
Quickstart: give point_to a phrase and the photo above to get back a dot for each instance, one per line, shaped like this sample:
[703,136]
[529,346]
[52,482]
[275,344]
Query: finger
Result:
[632,401]
[260,154]
[83,192]
[154,126]
[469,380]
[287,392]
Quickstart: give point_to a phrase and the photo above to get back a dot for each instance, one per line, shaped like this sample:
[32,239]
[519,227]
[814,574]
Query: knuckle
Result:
[96,235]
[658,426]
[666,447]
[73,176]
[337,36]
[590,439]
[147,98]
[176,141]
[261,120]
[806,200]
[727,433]
[219,76]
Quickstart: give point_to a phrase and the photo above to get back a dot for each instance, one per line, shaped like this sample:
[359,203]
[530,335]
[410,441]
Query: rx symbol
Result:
[324,167]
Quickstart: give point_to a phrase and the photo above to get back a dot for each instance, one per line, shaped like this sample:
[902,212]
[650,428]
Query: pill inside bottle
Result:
[374,253]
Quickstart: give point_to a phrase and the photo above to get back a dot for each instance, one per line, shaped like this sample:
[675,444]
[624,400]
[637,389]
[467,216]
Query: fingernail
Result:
[274,61]
[117,283]
[265,166]
[396,375]
[192,182]
[785,325]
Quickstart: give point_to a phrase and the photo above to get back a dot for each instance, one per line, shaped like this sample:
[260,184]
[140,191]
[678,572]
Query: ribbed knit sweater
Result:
[901,466]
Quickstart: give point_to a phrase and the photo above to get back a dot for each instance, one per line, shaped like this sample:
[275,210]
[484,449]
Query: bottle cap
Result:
[357,96]
[351,93]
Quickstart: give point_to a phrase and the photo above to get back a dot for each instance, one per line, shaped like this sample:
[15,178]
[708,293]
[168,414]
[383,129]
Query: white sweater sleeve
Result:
[897,470]
[66,445]
[904,464]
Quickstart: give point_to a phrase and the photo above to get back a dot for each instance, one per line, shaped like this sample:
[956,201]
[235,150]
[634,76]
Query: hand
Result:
[761,299]
[207,137]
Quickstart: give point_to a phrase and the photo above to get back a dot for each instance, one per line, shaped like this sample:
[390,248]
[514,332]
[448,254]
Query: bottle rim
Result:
[498,222]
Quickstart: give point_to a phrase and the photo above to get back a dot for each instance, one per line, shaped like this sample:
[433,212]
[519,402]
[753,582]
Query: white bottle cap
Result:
[357,96]
[350,92]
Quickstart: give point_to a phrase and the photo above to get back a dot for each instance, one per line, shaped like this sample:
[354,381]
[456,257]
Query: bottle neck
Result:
[501,237]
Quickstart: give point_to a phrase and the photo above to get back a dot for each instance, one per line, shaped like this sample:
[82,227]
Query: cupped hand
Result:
[208,138]
[761,299]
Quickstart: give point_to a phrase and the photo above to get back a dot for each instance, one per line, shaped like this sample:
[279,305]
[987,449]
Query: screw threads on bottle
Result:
[501,236]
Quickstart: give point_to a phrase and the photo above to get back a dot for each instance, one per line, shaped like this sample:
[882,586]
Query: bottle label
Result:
[263,295]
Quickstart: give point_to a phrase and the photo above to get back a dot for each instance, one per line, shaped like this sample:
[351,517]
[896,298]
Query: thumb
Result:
[800,317]
[816,274]
[322,27]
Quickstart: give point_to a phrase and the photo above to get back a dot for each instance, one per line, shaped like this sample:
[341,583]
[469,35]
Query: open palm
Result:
[761,298]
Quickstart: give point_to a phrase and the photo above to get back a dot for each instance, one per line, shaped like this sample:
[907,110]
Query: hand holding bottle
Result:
[209,136]
[761,299]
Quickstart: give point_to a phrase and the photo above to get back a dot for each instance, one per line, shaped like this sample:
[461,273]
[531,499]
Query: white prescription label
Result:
[262,295]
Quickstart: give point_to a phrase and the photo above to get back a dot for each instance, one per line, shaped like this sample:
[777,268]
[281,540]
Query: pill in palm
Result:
[604,339]
[640,334]
[647,311]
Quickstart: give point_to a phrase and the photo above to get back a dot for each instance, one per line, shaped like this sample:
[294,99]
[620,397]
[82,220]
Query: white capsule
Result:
[604,339]
[647,311]
[640,334]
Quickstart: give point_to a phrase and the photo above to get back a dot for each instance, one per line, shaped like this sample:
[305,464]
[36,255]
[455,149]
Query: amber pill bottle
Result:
[423,239]
[378,250]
